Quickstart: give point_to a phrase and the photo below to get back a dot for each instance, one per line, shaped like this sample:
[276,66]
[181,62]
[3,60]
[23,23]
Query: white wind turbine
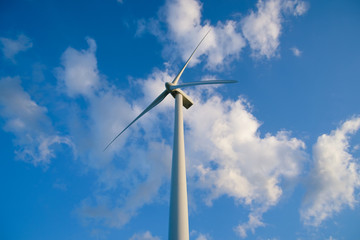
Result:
[178,221]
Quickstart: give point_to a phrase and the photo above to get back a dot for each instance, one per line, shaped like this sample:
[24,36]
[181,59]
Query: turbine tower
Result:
[178,219]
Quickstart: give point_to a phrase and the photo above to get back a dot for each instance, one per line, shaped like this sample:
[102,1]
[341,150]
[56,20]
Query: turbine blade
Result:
[152,105]
[172,87]
[176,79]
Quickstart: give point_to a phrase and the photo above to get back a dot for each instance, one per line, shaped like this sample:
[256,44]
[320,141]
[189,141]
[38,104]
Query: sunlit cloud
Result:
[262,28]
[227,150]
[334,176]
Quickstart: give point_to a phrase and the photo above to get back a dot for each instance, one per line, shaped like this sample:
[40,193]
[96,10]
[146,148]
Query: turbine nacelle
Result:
[168,86]
[171,88]
[187,101]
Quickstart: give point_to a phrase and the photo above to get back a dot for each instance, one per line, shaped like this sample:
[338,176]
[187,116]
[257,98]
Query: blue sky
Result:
[275,156]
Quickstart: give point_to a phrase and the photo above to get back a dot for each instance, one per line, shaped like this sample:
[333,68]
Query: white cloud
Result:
[262,28]
[228,156]
[253,223]
[228,43]
[81,74]
[296,51]
[335,175]
[183,16]
[144,236]
[28,122]
[11,47]
[185,28]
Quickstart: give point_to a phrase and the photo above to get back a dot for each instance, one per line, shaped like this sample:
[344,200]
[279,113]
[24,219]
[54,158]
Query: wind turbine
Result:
[178,220]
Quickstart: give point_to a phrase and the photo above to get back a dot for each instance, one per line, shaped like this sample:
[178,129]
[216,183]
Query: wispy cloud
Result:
[144,236]
[11,47]
[296,51]
[334,176]
[34,134]
[58,184]
[295,7]
[199,236]
[99,234]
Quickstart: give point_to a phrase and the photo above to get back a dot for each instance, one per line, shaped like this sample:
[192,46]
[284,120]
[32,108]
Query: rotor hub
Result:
[168,86]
